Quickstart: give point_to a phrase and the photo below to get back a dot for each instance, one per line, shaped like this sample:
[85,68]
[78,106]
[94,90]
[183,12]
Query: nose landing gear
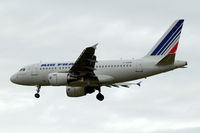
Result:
[37,95]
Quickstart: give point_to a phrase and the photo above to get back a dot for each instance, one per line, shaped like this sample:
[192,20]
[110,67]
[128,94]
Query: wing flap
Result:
[127,85]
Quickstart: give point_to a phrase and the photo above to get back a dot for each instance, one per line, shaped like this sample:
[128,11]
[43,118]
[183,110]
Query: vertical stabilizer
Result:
[168,43]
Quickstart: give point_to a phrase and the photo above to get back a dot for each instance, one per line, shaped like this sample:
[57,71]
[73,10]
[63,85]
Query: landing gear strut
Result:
[37,95]
[99,96]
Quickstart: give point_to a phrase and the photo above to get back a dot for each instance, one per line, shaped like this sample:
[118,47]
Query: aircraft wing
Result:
[85,64]
[127,85]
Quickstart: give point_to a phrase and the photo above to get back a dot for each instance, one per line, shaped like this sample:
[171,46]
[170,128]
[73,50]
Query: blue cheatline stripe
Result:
[174,40]
[167,43]
[167,37]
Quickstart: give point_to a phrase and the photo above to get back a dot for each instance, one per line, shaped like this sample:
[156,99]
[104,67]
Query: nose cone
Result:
[186,63]
[13,78]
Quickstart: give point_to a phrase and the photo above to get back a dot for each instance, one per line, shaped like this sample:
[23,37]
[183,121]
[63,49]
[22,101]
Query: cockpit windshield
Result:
[22,69]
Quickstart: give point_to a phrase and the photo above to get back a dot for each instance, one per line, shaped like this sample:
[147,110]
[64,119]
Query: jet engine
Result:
[79,91]
[75,91]
[57,78]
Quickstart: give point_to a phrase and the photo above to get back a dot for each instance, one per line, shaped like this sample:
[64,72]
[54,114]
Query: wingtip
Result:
[94,46]
[139,83]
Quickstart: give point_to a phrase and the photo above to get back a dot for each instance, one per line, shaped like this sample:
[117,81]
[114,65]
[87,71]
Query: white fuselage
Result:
[109,72]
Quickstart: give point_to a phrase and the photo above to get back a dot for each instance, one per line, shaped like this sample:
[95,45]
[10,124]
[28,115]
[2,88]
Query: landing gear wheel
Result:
[37,95]
[100,97]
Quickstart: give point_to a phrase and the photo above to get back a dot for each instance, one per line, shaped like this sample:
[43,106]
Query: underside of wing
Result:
[85,62]
[83,68]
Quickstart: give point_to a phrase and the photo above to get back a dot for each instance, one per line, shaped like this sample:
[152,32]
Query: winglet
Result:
[94,46]
[139,83]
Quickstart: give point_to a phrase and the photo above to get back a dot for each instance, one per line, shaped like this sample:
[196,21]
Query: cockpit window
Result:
[22,69]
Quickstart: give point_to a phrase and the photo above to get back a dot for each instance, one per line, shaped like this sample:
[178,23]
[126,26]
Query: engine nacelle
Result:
[62,79]
[75,91]
[105,79]
[57,78]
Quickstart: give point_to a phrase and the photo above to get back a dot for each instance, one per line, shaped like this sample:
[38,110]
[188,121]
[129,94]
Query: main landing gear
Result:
[37,95]
[99,96]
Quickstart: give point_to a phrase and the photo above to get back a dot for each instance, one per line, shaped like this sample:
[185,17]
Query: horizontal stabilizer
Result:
[167,60]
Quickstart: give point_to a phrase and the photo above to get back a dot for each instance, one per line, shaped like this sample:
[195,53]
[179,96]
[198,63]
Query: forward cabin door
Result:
[34,74]
[34,70]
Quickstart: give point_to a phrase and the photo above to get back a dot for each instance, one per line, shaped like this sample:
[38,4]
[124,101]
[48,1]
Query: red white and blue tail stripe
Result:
[168,43]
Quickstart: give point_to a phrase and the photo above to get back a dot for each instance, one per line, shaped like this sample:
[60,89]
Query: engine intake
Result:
[79,91]
[57,78]
[75,91]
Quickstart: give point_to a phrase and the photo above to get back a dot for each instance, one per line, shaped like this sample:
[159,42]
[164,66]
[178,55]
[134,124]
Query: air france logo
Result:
[58,64]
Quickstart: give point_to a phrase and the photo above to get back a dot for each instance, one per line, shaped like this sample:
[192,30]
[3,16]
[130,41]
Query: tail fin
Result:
[168,43]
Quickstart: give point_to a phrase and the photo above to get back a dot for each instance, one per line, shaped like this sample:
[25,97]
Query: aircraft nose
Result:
[13,78]
[186,63]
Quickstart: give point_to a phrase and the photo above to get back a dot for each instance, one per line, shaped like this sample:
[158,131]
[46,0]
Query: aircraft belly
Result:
[119,75]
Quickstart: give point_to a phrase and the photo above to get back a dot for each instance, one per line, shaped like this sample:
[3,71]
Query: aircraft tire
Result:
[37,95]
[100,97]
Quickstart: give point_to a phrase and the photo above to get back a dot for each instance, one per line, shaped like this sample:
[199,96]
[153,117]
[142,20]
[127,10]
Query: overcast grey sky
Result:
[49,30]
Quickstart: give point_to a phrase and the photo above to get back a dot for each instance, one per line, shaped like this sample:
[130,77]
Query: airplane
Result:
[87,75]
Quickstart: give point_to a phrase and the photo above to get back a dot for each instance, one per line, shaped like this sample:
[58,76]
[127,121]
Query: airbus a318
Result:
[87,75]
